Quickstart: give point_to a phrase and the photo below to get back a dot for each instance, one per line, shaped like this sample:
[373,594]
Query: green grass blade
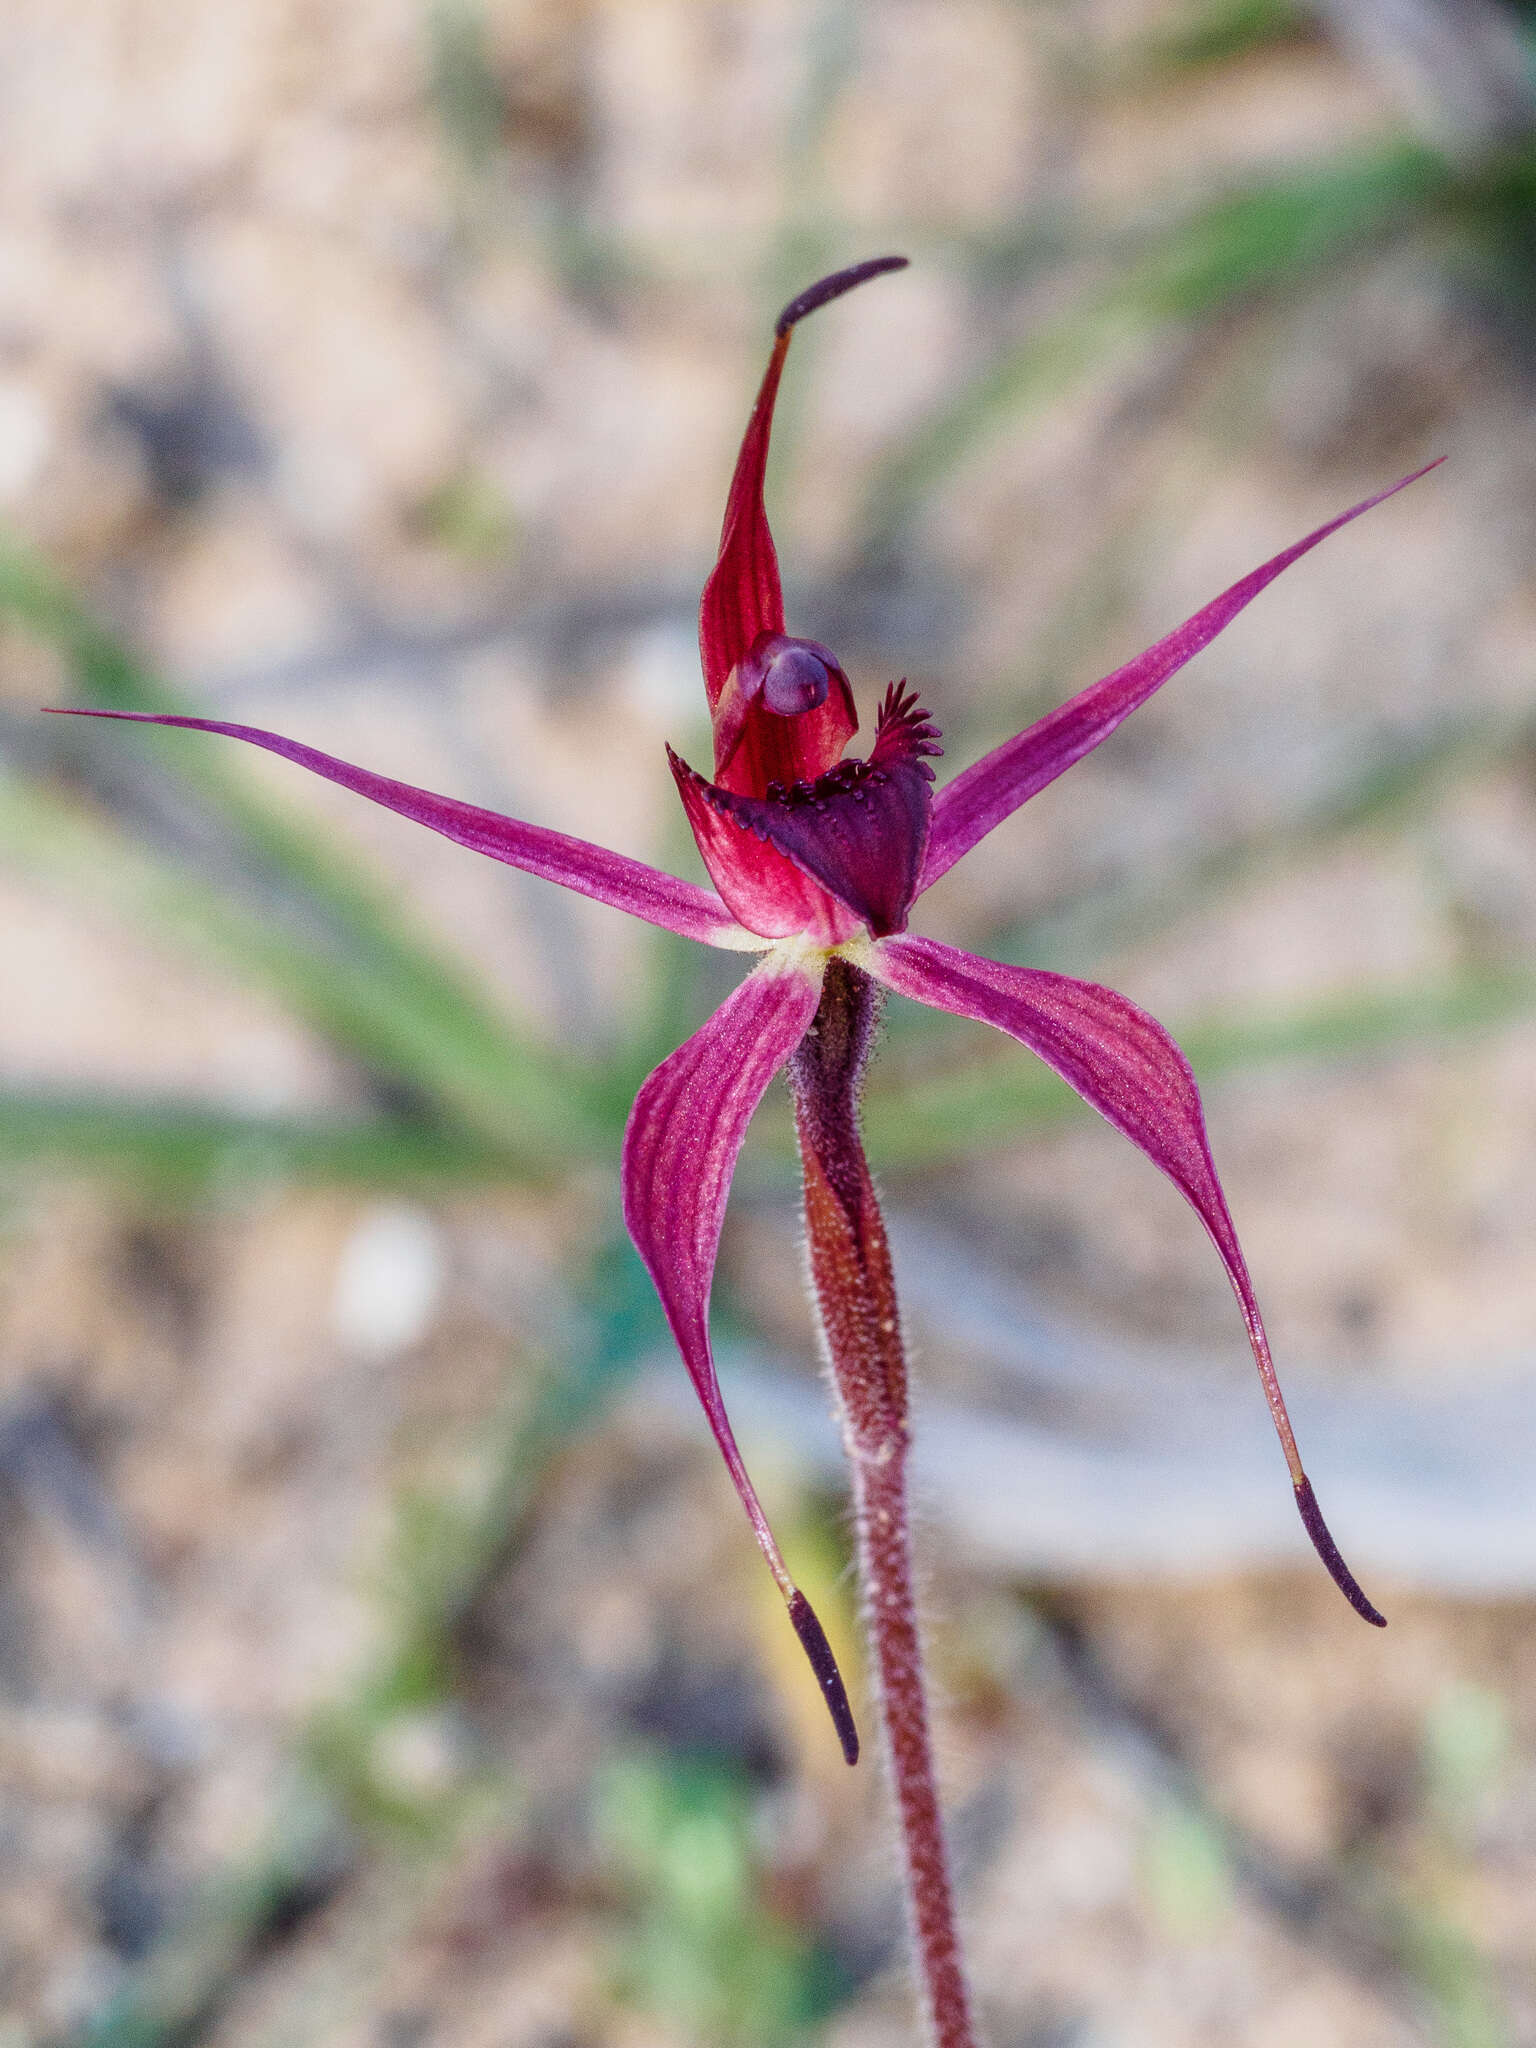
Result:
[1270,237]
[1216,33]
[170,1148]
[331,944]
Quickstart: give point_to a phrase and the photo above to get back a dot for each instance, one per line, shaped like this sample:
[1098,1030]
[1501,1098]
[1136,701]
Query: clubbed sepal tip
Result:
[826,289]
[813,1640]
[1328,1551]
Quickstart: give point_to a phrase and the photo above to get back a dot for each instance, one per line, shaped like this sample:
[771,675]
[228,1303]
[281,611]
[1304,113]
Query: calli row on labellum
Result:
[818,856]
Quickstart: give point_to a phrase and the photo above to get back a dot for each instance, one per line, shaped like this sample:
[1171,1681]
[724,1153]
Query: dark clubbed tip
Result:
[813,1640]
[826,289]
[1328,1551]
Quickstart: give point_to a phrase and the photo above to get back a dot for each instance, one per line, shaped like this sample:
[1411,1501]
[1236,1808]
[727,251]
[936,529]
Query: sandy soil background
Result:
[383,1659]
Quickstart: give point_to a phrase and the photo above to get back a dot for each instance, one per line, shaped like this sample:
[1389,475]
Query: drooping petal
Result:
[965,810]
[680,1150]
[743,601]
[1124,1065]
[645,892]
[858,830]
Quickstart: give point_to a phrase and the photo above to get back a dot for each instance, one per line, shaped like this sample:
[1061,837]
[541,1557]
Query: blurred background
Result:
[384,1660]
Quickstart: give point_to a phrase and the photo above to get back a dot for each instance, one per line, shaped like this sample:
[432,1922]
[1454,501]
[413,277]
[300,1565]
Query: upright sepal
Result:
[743,596]
[684,1135]
[741,613]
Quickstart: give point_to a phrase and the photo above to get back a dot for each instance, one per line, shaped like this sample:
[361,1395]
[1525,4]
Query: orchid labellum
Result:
[817,857]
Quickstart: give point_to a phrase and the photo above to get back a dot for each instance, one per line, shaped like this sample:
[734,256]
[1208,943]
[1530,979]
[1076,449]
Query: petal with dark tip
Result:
[1123,1064]
[833,286]
[645,892]
[680,1150]
[965,810]
[743,597]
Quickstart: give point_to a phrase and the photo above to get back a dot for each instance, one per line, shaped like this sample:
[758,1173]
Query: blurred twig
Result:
[1390,786]
[1350,1918]
[1215,32]
[1460,68]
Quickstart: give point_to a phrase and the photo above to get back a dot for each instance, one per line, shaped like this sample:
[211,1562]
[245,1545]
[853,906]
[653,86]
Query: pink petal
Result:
[966,809]
[1124,1065]
[645,892]
[680,1150]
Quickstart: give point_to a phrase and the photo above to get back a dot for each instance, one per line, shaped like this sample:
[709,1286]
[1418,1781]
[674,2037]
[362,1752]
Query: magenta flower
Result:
[817,858]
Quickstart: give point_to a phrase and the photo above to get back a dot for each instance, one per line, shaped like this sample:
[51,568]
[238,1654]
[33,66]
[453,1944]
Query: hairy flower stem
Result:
[851,1270]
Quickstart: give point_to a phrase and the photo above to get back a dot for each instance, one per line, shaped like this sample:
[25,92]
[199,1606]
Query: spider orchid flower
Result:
[817,858]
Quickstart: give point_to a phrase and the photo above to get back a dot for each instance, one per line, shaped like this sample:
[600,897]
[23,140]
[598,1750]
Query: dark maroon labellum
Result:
[859,829]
